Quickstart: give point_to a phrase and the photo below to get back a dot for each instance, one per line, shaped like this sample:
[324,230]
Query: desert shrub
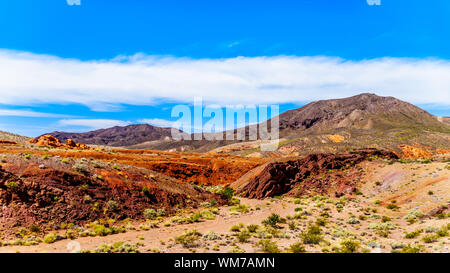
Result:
[352,220]
[397,245]
[119,247]
[112,205]
[385,219]
[413,234]
[240,208]
[50,238]
[349,246]
[321,222]
[35,228]
[392,207]
[145,190]
[71,234]
[210,204]
[79,167]
[413,215]
[292,225]
[428,239]
[189,239]
[12,185]
[426,161]
[382,228]
[252,228]
[228,192]
[268,246]
[161,212]
[195,217]
[207,215]
[150,213]
[431,229]
[236,228]
[101,230]
[211,236]
[413,249]
[243,236]
[272,220]
[297,248]
[312,235]
[442,232]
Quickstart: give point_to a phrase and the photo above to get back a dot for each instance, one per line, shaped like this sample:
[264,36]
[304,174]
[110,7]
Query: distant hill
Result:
[13,137]
[445,120]
[364,120]
[118,135]
[364,111]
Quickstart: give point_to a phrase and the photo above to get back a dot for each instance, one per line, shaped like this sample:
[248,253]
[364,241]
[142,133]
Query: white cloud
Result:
[158,122]
[29,114]
[93,123]
[139,80]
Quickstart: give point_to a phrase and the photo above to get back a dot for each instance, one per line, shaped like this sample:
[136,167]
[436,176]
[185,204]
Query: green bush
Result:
[112,205]
[349,246]
[119,247]
[413,249]
[312,235]
[297,248]
[430,238]
[161,212]
[79,167]
[414,234]
[189,239]
[228,192]
[321,222]
[145,190]
[50,238]
[150,213]
[252,228]
[243,236]
[268,246]
[12,185]
[272,220]
[236,228]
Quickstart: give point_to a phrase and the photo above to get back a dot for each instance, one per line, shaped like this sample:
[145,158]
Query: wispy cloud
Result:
[158,122]
[233,44]
[142,80]
[29,114]
[93,123]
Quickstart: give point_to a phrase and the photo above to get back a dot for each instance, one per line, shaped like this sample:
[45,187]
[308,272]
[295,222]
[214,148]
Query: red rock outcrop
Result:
[317,173]
[8,142]
[46,140]
[39,196]
[51,141]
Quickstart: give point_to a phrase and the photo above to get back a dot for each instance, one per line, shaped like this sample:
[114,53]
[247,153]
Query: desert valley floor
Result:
[65,199]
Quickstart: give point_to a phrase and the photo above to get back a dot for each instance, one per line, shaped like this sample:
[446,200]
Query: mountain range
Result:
[118,135]
[364,119]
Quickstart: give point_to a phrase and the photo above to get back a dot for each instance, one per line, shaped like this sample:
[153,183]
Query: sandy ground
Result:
[153,237]
[413,186]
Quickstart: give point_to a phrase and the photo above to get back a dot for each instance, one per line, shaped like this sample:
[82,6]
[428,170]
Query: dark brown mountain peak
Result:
[118,135]
[363,111]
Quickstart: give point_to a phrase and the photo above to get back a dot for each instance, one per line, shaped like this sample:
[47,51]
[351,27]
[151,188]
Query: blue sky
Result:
[110,62]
